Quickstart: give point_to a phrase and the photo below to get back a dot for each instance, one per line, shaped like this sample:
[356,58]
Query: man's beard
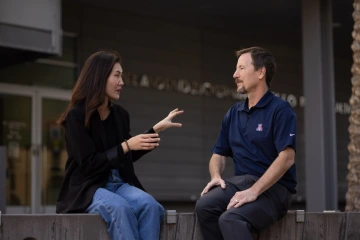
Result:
[242,90]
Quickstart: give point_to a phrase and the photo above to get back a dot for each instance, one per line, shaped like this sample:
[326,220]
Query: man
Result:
[259,134]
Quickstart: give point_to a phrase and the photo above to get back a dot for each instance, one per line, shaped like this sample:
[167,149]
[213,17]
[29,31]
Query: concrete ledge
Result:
[293,226]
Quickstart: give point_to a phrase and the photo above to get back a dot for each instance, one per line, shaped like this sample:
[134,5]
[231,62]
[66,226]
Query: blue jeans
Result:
[130,213]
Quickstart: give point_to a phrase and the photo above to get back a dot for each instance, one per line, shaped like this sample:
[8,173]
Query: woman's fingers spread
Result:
[174,110]
[176,124]
[173,114]
[179,112]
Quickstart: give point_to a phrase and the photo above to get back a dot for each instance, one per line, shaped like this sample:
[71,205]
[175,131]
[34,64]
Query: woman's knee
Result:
[104,201]
[150,203]
[144,201]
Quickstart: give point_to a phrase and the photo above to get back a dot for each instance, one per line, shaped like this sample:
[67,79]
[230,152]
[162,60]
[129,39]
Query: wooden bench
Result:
[295,225]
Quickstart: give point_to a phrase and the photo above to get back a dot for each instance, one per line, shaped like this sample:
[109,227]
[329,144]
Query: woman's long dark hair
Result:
[90,86]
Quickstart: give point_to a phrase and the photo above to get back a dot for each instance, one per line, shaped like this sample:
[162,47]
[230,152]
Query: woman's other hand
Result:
[144,141]
[167,122]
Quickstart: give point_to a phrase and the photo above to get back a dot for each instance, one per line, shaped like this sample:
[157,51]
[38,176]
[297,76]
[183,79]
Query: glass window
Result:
[15,135]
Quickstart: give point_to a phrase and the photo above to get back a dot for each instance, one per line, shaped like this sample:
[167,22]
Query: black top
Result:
[90,159]
[109,127]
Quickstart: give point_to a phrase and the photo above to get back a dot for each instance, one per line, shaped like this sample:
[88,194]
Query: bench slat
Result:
[324,226]
[197,230]
[286,228]
[185,226]
[353,226]
[168,231]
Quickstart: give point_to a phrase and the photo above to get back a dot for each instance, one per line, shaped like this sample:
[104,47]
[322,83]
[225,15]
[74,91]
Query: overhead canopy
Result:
[28,30]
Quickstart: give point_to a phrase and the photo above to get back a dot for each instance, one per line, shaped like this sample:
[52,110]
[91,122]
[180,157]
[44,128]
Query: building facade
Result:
[173,56]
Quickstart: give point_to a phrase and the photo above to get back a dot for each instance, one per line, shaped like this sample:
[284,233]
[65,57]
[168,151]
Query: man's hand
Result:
[212,183]
[242,197]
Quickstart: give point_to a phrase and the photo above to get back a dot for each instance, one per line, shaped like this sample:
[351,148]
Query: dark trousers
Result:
[237,223]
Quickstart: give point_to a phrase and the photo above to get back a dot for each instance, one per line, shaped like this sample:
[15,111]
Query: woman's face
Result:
[114,82]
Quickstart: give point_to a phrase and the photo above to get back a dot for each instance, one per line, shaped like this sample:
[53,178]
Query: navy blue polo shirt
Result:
[255,137]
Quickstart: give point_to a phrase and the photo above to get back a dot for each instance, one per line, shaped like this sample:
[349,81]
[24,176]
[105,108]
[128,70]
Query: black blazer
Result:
[89,164]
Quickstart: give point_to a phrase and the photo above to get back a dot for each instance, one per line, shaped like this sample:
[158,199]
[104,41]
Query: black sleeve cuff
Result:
[151,130]
[115,155]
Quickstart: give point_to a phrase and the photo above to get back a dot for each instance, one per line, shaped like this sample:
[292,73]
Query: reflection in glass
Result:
[53,151]
[15,135]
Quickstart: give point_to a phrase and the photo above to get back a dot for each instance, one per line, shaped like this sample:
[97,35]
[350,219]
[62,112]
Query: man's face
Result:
[246,78]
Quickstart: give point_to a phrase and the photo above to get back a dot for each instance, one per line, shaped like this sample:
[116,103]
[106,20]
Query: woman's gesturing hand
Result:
[167,122]
[144,141]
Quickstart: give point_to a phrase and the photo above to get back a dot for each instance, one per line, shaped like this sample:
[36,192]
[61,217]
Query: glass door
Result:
[18,138]
[53,151]
[35,146]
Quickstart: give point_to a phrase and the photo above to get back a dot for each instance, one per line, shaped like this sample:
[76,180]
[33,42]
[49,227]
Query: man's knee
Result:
[229,216]
[205,207]
[228,222]
[201,205]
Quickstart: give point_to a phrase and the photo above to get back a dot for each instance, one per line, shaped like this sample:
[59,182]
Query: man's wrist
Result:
[217,176]
[255,190]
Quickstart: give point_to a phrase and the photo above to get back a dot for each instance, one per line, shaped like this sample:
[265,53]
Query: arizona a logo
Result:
[259,127]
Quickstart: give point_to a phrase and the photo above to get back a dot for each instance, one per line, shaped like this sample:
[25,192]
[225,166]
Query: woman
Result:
[100,174]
